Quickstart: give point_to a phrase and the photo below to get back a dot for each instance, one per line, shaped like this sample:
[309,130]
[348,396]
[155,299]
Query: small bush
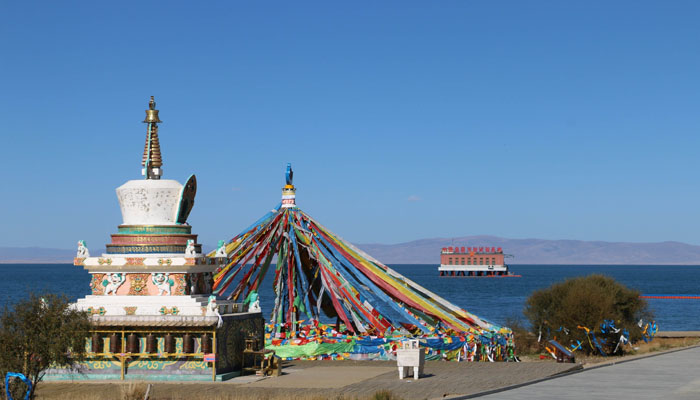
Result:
[586,302]
[37,333]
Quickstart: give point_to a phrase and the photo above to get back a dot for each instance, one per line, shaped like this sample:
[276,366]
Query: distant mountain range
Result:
[540,251]
[35,255]
[427,251]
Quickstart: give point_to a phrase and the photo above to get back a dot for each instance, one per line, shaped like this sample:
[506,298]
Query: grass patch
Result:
[385,395]
[134,391]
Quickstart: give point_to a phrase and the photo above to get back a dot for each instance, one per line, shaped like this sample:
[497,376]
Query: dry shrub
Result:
[134,391]
[385,395]
[525,341]
[585,301]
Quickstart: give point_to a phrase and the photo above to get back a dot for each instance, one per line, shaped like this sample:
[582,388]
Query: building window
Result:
[493,261]
[469,261]
[449,261]
[462,260]
[481,260]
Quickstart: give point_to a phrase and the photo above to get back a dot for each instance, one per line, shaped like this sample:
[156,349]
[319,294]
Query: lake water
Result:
[494,299]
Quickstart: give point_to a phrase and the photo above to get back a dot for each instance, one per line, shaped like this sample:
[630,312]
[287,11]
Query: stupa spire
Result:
[152,159]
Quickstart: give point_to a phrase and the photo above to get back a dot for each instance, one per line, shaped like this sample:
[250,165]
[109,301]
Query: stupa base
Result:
[166,376]
[185,349]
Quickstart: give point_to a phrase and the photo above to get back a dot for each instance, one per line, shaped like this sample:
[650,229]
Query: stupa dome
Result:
[150,201]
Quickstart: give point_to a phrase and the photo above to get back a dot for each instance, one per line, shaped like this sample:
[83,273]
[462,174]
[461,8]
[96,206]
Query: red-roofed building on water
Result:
[152,308]
[473,262]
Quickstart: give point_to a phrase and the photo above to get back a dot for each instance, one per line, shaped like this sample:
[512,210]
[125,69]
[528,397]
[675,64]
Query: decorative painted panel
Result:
[96,284]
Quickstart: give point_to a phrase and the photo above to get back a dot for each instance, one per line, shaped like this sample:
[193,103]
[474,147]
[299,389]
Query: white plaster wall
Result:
[149,201]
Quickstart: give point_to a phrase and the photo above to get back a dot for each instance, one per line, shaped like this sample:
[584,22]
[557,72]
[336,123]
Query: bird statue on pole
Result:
[290,174]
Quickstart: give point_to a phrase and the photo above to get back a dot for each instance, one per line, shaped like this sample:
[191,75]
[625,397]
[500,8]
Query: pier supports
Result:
[484,274]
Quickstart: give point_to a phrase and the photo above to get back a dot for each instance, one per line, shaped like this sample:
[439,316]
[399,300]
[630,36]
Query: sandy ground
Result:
[328,379]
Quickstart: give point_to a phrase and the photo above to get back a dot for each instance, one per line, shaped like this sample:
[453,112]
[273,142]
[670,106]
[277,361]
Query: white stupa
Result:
[152,287]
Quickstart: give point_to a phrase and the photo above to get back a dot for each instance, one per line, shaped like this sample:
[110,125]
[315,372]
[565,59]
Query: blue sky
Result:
[403,120]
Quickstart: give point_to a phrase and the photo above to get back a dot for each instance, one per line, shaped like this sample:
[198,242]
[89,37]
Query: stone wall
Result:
[230,340]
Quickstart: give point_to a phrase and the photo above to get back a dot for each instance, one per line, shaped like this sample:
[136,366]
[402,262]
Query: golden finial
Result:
[152,160]
[152,113]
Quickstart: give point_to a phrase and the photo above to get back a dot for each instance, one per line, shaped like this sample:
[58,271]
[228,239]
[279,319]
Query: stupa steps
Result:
[153,305]
[194,301]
